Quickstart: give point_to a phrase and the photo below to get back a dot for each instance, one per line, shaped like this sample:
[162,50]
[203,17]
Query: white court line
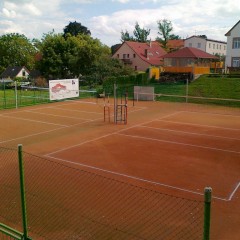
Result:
[36,121]
[72,110]
[199,125]
[212,113]
[63,109]
[190,133]
[40,133]
[107,135]
[136,110]
[137,178]
[234,191]
[55,115]
[79,144]
[178,143]
[79,101]
[31,135]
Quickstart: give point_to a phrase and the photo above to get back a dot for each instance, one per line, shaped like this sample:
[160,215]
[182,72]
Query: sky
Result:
[106,19]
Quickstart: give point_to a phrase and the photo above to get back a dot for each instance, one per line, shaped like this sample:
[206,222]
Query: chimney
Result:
[146,53]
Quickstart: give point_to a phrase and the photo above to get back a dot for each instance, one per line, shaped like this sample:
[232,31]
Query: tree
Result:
[125,36]
[140,34]
[165,28]
[16,50]
[70,57]
[203,36]
[109,67]
[75,28]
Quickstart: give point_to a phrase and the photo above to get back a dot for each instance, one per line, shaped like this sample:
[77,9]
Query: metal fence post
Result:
[115,102]
[207,212]
[23,197]
[16,94]
[187,89]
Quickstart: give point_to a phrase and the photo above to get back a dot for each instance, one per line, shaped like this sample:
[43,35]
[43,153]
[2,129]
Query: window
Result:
[236,43]
[23,73]
[213,46]
[199,45]
[224,47]
[209,45]
[117,55]
[136,68]
[124,56]
[220,46]
[190,44]
[134,55]
[236,62]
[128,55]
[217,46]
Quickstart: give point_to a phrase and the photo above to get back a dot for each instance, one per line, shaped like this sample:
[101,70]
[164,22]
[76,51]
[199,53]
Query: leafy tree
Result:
[115,47]
[109,67]
[16,50]
[174,37]
[203,36]
[140,34]
[125,36]
[165,31]
[52,64]
[75,28]
[70,57]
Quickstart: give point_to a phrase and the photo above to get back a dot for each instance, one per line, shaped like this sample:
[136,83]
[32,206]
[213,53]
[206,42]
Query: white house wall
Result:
[196,42]
[206,45]
[214,47]
[235,32]
[21,73]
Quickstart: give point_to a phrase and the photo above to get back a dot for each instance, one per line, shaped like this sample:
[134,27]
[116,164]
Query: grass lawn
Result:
[228,88]
[203,87]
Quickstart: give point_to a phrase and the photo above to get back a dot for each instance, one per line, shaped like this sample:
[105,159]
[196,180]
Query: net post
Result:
[23,196]
[207,212]
[115,102]
[187,83]
[16,94]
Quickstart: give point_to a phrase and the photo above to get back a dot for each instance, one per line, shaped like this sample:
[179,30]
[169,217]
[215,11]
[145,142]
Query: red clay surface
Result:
[176,149]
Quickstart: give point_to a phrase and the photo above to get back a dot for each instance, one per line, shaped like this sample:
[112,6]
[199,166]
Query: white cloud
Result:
[35,17]
[8,13]
[188,18]
[32,9]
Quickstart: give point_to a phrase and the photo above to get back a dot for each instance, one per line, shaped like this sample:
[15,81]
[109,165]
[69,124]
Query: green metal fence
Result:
[15,97]
[61,202]
[219,91]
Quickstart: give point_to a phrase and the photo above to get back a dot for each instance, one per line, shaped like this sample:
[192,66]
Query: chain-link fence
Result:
[68,203]
[15,97]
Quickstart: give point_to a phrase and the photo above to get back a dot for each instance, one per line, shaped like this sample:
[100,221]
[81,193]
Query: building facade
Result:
[233,47]
[207,45]
[140,56]
[16,71]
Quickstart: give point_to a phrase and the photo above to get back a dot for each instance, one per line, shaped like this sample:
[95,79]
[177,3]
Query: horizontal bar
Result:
[10,232]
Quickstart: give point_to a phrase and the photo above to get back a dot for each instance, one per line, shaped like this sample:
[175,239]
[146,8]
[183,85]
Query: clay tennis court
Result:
[174,148]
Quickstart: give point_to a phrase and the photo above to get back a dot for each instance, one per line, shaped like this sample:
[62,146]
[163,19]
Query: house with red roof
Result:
[140,56]
[188,60]
[175,44]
